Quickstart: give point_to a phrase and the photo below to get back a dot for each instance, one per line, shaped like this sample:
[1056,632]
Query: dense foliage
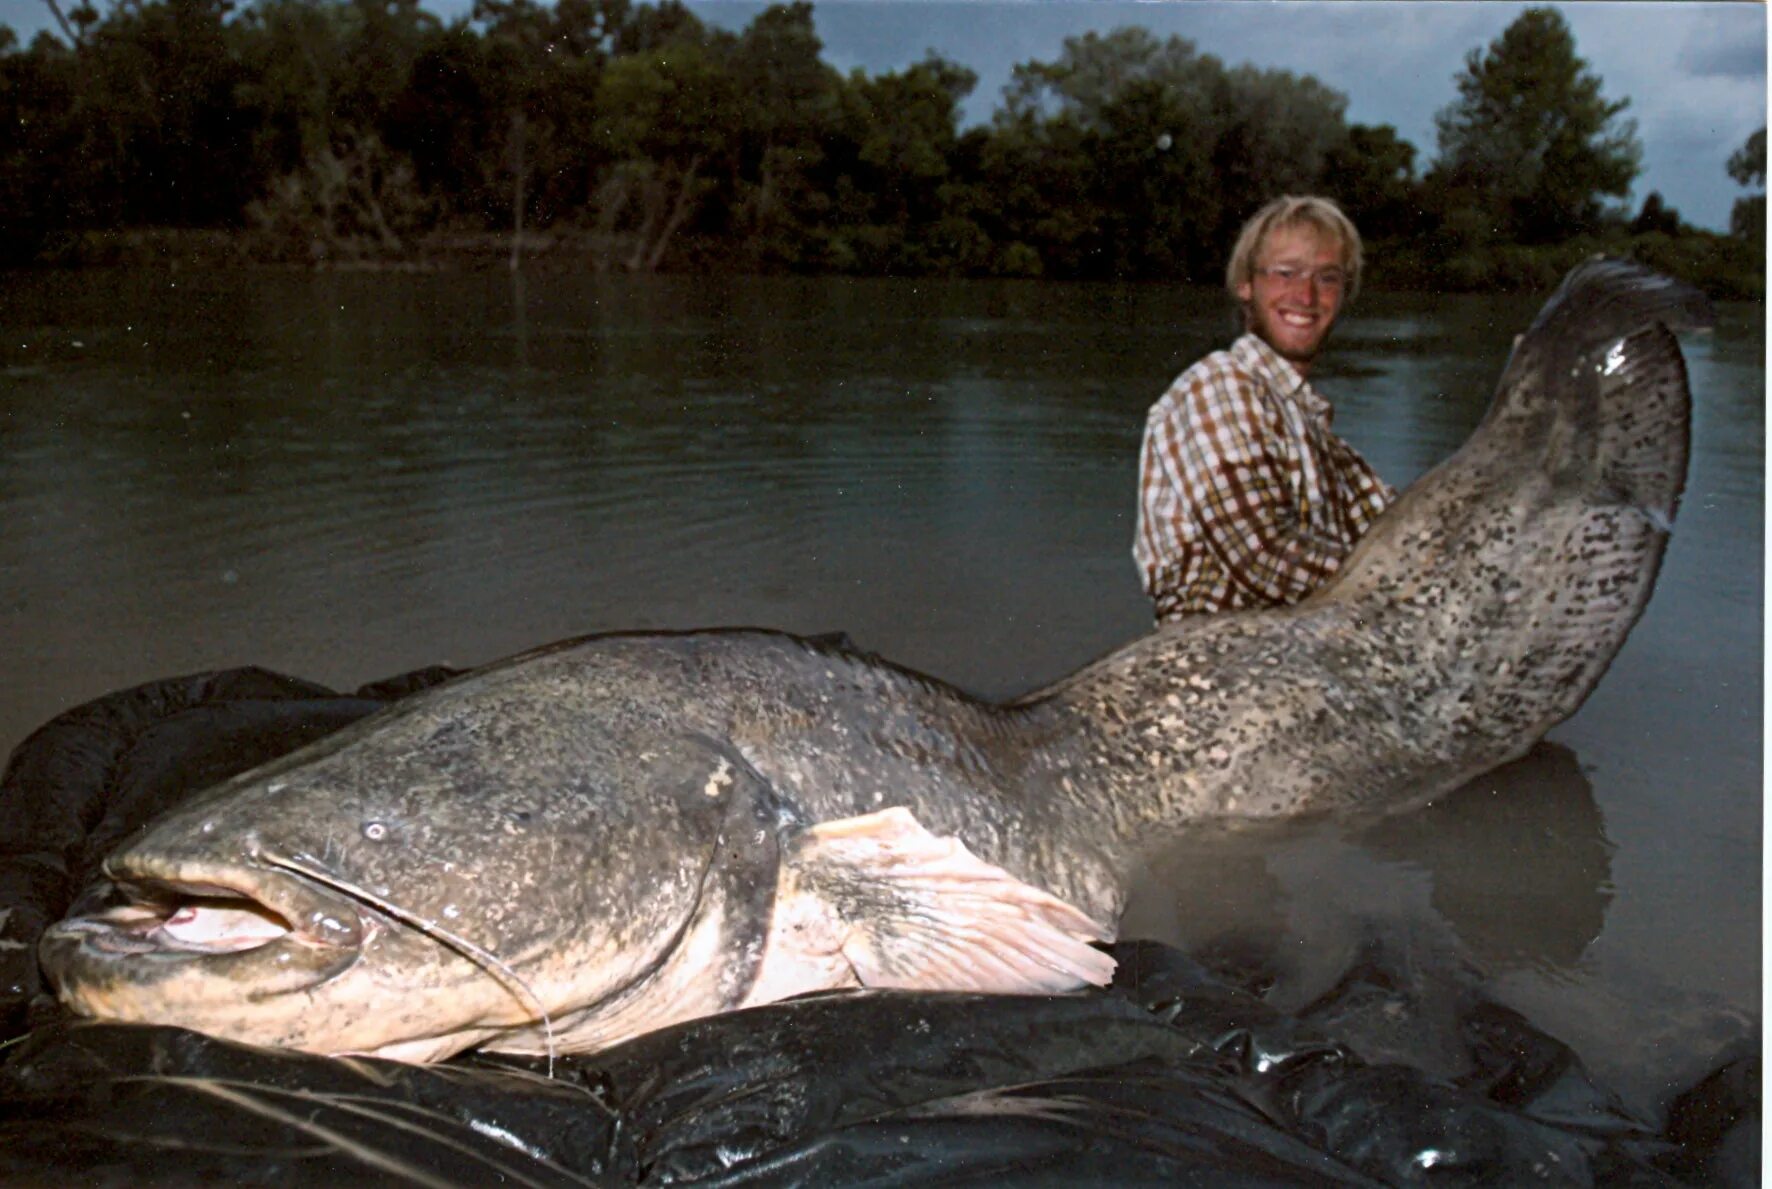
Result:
[611,134]
[1530,144]
[1747,165]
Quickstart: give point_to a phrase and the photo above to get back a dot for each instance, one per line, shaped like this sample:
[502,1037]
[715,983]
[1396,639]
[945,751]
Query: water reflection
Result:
[1519,859]
[520,321]
[1514,869]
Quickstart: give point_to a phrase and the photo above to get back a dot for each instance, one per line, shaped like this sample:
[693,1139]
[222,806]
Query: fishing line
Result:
[441,933]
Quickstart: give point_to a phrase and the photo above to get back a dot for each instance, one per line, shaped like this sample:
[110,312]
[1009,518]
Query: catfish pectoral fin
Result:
[901,907]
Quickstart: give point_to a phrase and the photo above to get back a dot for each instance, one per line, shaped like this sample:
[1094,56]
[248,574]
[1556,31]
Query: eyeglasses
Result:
[1332,278]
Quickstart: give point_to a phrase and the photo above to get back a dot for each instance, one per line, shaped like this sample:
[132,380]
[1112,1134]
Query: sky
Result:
[1694,72]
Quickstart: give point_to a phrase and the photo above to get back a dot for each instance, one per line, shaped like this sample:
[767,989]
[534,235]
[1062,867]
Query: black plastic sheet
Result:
[1177,1074]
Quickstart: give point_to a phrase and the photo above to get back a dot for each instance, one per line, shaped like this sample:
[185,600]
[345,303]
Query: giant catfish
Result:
[600,837]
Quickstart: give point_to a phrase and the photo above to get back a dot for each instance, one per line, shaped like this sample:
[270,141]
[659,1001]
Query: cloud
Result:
[1727,46]
[1669,60]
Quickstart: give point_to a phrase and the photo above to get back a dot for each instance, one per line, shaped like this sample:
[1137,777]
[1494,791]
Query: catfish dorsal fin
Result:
[901,907]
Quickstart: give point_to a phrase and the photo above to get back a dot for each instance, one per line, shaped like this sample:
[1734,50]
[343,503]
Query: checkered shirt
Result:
[1246,497]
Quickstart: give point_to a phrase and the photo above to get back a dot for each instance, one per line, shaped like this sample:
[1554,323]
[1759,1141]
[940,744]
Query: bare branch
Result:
[67,27]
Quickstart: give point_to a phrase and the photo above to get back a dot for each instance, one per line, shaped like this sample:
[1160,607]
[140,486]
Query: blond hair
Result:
[1291,210]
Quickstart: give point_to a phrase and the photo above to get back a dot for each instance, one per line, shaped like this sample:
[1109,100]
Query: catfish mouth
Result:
[249,921]
[187,918]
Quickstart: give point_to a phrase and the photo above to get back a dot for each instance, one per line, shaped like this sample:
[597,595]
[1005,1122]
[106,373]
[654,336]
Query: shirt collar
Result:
[1253,352]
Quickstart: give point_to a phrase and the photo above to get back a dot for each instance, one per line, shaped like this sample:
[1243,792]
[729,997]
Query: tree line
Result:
[621,135]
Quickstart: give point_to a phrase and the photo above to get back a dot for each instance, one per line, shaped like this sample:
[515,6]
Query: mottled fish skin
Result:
[1480,611]
[615,817]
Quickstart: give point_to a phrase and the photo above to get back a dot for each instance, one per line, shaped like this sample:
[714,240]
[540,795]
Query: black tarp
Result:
[1178,1074]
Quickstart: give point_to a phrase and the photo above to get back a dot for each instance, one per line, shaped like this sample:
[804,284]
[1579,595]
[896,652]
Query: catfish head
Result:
[452,872]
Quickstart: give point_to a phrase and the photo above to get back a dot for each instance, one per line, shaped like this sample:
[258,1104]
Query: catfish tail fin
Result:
[1515,570]
[1599,365]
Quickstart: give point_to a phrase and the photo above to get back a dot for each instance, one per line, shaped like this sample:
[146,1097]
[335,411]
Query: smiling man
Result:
[1247,498]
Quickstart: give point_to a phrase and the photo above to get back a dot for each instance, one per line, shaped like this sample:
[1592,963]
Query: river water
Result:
[346,476]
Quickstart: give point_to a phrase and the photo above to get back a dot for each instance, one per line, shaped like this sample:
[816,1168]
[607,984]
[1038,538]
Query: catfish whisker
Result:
[485,958]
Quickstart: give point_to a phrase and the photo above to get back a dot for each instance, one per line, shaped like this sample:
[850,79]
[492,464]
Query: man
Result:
[1246,497]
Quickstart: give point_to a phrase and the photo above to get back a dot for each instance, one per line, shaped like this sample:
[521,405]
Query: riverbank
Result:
[1723,266]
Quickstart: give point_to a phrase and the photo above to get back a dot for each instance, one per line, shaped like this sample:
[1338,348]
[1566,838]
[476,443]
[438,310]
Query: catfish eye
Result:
[374,831]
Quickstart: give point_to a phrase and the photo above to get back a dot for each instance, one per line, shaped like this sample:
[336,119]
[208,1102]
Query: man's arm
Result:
[1155,542]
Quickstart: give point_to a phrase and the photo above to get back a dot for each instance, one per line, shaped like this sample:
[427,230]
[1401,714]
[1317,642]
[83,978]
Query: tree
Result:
[450,121]
[789,108]
[649,27]
[1747,165]
[1145,154]
[75,23]
[1035,175]
[323,81]
[895,157]
[351,199]
[542,66]
[1530,143]
[1372,174]
[293,61]
[1160,203]
[1095,68]
[43,174]
[1656,216]
[164,140]
[664,119]
[1280,130]
[383,38]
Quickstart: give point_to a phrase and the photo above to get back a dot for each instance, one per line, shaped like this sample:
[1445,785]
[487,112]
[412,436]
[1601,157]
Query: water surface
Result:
[346,476]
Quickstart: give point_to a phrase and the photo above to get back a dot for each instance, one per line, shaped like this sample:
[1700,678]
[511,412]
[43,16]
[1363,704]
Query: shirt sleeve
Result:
[1154,543]
[1367,495]
[1227,464]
